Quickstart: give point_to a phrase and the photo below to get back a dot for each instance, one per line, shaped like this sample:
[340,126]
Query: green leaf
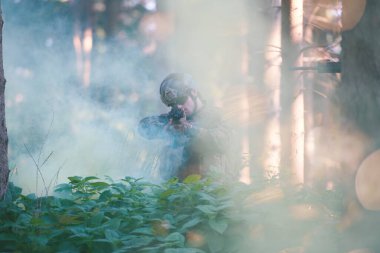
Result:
[136,241]
[172,181]
[69,219]
[100,185]
[111,235]
[113,223]
[192,179]
[31,196]
[56,233]
[86,179]
[183,250]
[24,218]
[191,223]
[67,246]
[63,188]
[77,230]
[176,237]
[75,179]
[181,217]
[207,197]
[167,193]
[36,221]
[8,237]
[219,225]
[80,235]
[105,196]
[138,218]
[207,209]
[97,219]
[143,231]
[103,240]
[13,192]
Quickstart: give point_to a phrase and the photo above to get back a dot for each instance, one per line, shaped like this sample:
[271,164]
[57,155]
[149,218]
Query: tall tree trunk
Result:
[358,97]
[359,94]
[4,170]
[291,117]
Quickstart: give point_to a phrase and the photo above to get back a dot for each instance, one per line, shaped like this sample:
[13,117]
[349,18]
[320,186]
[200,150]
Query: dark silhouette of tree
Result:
[359,94]
[4,170]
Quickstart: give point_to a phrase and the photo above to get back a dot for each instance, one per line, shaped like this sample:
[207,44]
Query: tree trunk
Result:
[359,94]
[4,170]
[358,97]
[291,116]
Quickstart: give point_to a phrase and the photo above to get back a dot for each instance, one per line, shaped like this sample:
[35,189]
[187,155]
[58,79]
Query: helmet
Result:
[175,87]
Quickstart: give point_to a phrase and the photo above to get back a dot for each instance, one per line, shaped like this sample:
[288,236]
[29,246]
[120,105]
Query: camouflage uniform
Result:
[199,150]
[201,146]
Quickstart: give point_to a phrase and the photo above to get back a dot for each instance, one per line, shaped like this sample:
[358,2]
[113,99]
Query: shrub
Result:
[130,215]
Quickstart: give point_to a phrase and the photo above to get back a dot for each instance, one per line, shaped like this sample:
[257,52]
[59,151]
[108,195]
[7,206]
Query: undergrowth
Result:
[197,215]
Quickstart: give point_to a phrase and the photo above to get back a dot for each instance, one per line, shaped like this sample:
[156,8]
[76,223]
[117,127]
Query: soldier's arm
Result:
[153,127]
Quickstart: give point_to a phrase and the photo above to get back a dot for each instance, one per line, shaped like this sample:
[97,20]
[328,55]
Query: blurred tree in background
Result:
[4,170]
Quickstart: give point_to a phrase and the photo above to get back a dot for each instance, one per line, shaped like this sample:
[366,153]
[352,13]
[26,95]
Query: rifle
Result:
[151,127]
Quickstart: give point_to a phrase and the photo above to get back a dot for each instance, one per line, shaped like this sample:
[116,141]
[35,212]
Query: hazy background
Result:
[65,128]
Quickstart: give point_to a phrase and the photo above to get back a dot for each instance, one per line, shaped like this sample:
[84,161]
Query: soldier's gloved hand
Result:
[179,127]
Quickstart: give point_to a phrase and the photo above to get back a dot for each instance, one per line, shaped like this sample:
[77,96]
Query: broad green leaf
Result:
[77,230]
[143,231]
[175,196]
[113,223]
[137,217]
[219,225]
[111,235]
[176,237]
[206,196]
[69,219]
[207,209]
[8,237]
[86,179]
[154,249]
[102,240]
[181,217]
[137,241]
[167,193]
[24,218]
[36,221]
[191,223]
[106,195]
[75,179]
[97,219]
[100,185]
[192,179]
[80,235]
[67,246]
[63,187]
[172,181]
[56,233]
[183,250]
[31,196]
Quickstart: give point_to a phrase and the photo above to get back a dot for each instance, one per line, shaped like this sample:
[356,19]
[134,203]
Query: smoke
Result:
[54,124]
[62,129]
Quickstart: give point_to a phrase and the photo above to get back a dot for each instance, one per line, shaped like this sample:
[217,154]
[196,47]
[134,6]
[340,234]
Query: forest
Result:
[285,91]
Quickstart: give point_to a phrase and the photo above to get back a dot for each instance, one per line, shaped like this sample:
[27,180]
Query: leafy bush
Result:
[130,215]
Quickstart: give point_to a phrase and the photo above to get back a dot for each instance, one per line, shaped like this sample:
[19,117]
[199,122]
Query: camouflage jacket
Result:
[200,150]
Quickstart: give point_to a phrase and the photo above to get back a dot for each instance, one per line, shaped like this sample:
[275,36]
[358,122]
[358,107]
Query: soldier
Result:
[197,134]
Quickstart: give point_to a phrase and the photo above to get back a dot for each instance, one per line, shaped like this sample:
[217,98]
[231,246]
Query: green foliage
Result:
[196,215]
